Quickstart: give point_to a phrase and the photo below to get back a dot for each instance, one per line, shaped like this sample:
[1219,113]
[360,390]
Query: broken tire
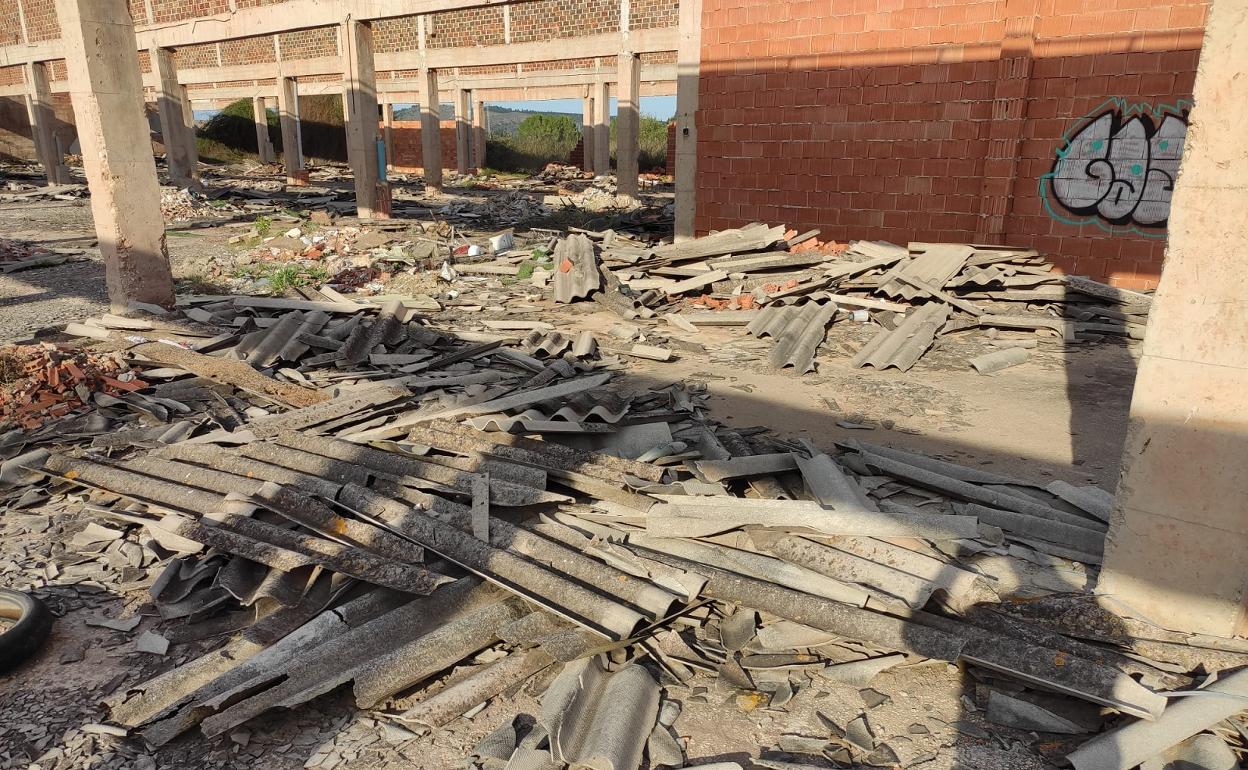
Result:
[32,622]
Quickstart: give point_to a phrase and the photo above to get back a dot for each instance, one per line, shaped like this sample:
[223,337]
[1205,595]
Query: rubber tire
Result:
[34,622]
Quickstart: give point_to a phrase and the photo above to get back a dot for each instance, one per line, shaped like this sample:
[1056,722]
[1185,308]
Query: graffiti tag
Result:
[1117,168]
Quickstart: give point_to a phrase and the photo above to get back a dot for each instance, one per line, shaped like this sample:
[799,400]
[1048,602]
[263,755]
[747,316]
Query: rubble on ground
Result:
[435,501]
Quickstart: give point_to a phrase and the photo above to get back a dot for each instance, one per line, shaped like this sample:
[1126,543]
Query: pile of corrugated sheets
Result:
[346,520]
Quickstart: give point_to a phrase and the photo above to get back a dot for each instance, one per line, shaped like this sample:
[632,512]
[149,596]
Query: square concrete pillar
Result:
[587,133]
[288,115]
[42,119]
[106,89]
[188,119]
[463,155]
[387,120]
[602,128]
[431,131]
[360,103]
[688,66]
[479,133]
[181,159]
[1177,549]
[628,125]
[264,145]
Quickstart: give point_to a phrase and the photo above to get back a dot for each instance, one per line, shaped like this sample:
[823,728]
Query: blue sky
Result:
[661,107]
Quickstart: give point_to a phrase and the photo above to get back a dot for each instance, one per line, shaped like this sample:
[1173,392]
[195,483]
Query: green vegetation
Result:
[652,143]
[554,129]
[283,275]
[212,151]
[230,135]
[263,226]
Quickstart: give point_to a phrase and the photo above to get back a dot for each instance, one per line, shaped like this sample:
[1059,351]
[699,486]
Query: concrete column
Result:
[264,145]
[602,128]
[188,119]
[479,133]
[42,118]
[688,66]
[359,79]
[387,117]
[587,132]
[431,131]
[463,156]
[180,156]
[288,115]
[106,88]
[1177,549]
[628,124]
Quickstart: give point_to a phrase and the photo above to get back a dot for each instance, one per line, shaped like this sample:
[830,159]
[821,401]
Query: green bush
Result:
[553,129]
[234,127]
[322,127]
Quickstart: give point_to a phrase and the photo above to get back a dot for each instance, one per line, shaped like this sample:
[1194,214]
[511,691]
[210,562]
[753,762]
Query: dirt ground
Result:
[1062,414]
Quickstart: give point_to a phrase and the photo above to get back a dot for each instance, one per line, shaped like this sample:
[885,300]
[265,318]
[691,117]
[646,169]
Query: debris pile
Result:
[41,382]
[178,204]
[791,288]
[434,506]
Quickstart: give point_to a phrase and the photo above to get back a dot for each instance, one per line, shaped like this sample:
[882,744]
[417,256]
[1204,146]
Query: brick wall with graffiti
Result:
[1051,124]
[1098,163]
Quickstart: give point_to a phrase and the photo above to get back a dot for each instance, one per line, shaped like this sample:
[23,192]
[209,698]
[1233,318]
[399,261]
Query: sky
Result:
[661,107]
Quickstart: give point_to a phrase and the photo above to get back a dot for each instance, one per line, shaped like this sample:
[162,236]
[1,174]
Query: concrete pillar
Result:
[479,133]
[288,115]
[587,132]
[431,131]
[628,124]
[264,145]
[180,156]
[387,117]
[360,82]
[688,65]
[1177,549]
[602,128]
[188,119]
[463,156]
[106,89]
[42,118]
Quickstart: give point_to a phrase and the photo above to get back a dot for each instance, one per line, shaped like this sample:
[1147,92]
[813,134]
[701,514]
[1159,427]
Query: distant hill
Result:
[502,121]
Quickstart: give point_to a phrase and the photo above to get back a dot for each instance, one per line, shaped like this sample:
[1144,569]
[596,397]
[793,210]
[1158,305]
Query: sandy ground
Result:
[1060,415]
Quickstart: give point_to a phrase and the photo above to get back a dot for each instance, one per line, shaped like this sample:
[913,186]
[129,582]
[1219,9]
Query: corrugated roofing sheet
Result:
[797,330]
[576,268]
[903,346]
[935,264]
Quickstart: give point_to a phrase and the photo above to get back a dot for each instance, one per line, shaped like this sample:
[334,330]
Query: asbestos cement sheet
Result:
[903,346]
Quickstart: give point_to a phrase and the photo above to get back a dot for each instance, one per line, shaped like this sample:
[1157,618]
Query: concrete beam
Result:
[288,115]
[480,131]
[1177,548]
[431,132]
[106,89]
[587,133]
[181,159]
[688,64]
[463,156]
[602,128]
[628,125]
[264,145]
[248,22]
[360,103]
[42,118]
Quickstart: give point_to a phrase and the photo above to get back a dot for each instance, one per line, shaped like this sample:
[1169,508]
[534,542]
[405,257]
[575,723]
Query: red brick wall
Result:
[408,155]
[901,120]
[551,19]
